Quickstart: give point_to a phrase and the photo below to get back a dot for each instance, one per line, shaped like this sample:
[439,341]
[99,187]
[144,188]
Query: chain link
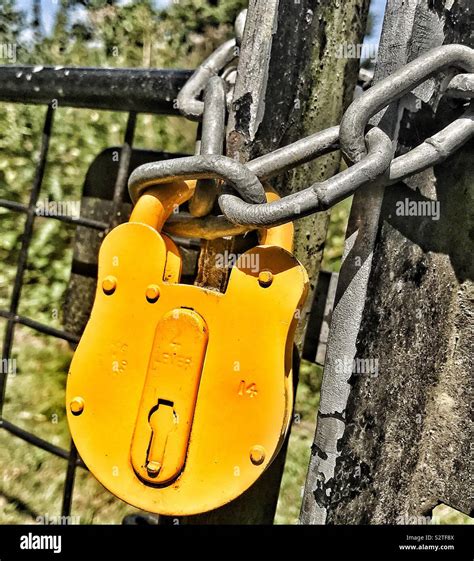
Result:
[394,87]
[242,198]
[188,101]
[212,143]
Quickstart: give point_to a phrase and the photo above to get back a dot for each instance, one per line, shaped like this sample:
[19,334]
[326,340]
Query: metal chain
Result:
[242,198]
[188,101]
[212,143]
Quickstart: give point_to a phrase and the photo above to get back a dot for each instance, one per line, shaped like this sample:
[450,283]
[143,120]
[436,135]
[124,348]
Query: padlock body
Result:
[186,397]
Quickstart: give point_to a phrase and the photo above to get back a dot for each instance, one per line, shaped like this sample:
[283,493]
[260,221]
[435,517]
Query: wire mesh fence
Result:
[157,97]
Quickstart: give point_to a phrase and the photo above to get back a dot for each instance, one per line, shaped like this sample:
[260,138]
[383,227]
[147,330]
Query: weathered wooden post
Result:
[393,440]
[290,84]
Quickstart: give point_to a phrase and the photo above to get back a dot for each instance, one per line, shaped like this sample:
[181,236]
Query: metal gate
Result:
[151,91]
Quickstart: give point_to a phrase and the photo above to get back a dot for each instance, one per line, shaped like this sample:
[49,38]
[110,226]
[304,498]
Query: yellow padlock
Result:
[179,397]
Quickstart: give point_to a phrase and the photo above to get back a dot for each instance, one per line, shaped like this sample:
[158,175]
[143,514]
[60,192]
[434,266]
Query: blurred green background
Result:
[115,34]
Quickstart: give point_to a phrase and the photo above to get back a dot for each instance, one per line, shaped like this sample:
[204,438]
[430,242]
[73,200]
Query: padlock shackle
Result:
[157,204]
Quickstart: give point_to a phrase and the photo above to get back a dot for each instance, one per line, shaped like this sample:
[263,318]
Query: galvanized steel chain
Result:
[242,197]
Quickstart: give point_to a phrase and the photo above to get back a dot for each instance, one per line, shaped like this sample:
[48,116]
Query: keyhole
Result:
[162,421]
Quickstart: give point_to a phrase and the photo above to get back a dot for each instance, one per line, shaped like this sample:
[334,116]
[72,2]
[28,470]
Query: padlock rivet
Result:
[152,293]
[257,455]
[77,406]
[109,284]
[265,278]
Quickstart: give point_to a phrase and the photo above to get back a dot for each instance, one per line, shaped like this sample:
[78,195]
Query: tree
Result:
[12,22]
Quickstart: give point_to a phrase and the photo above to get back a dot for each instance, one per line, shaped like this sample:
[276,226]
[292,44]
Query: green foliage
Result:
[336,236]
[32,480]
[131,35]
[110,34]
[135,34]
[115,35]
[12,22]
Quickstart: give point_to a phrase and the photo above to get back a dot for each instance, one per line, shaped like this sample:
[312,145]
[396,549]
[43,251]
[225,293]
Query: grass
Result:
[31,480]
[299,449]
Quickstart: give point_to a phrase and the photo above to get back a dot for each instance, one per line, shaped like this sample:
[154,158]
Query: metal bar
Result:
[207,228]
[416,322]
[23,256]
[69,482]
[326,323]
[40,327]
[76,221]
[13,205]
[119,89]
[185,242]
[352,286]
[315,341]
[38,442]
[123,171]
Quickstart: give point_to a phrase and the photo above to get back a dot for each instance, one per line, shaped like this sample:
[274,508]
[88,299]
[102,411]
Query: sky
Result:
[377,10]
[49,8]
